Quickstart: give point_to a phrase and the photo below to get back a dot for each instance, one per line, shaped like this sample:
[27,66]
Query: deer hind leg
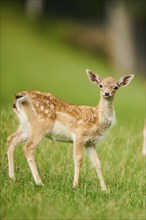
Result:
[12,141]
[29,150]
[77,148]
[93,157]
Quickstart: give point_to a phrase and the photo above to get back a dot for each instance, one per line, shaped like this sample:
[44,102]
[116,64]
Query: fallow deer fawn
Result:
[42,114]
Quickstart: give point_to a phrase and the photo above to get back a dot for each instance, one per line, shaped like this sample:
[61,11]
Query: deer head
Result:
[108,86]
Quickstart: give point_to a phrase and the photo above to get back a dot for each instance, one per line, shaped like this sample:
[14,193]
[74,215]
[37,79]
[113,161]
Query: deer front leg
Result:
[77,148]
[91,152]
[29,149]
[12,141]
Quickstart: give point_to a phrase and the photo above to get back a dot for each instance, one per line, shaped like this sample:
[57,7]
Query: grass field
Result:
[34,58]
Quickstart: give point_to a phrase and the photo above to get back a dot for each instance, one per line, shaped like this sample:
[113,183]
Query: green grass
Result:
[123,169]
[34,58]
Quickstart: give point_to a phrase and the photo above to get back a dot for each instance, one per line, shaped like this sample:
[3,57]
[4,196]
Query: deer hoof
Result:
[75,185]
[40,184]
[12,177]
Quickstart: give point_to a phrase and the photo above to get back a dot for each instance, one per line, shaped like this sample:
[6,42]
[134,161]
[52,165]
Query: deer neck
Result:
[106,113]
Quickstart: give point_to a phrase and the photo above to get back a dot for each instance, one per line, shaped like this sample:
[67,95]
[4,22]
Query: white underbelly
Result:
[60,132]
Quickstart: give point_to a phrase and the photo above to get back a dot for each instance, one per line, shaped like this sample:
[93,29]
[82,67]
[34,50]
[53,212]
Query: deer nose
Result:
[107,93]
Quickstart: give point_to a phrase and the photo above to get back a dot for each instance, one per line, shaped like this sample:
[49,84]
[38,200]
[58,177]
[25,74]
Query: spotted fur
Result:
[44,115]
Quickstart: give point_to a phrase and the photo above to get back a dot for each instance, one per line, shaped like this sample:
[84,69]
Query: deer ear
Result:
[94,78]
[125,80]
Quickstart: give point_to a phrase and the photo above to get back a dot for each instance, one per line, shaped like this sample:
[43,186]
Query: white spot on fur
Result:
[46,111]
[42,107]
[37,104]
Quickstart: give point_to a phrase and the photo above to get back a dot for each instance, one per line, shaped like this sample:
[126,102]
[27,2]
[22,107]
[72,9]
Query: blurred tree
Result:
[34,9]
[123,22]
[77,9]
[126,25]
[117,27]
[119,30]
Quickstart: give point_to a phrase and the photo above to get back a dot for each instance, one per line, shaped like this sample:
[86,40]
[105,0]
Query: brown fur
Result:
[42,114]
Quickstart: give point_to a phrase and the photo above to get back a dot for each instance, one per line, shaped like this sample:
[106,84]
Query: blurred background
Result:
[47,45]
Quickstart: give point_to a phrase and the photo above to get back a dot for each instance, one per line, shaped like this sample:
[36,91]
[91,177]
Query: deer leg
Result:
[77,148]
[91,152]
[29,149]
[12,141]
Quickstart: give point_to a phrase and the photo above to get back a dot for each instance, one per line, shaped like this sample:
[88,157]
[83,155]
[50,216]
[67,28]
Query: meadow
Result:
[34,58]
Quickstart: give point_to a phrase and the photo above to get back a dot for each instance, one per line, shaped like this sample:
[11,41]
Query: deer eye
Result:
[116,87]
[100,85]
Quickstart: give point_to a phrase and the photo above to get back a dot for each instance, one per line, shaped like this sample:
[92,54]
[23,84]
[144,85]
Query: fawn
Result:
[42,114]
